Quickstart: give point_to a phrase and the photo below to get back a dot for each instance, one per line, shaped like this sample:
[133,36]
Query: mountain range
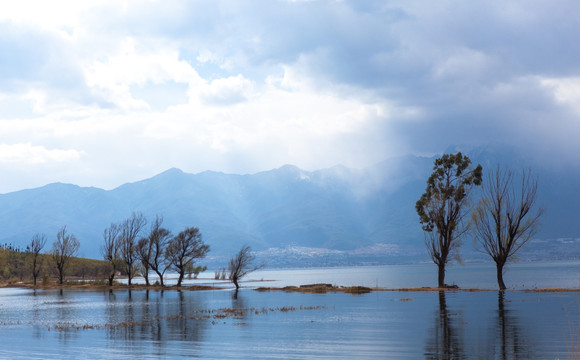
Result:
[288,212]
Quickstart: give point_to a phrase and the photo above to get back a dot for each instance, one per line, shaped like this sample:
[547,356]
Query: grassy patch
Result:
[319,289]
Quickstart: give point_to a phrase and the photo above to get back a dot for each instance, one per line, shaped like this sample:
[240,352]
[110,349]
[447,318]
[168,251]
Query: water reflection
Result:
[154,316]
[445,340]
[508,340]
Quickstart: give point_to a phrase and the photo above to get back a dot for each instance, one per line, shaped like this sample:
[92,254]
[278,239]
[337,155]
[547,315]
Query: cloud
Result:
[25,153]
[227,91]
[136,87]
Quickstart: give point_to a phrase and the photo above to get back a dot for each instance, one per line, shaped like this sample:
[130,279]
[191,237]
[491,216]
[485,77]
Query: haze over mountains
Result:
[288,213]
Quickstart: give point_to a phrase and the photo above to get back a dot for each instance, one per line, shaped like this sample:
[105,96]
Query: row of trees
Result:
[124,250]
[157,251]
[502,222]
[129,249]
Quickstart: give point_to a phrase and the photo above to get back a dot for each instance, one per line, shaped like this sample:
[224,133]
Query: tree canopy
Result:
[444,205]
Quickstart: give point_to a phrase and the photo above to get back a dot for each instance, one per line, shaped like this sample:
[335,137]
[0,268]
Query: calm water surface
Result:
[276,325]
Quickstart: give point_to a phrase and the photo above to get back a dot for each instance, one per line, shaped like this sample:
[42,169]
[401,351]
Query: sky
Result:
[100,93]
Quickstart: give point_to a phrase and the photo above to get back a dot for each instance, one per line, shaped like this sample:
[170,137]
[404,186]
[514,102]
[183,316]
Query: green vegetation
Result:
[16,267]
[443,207]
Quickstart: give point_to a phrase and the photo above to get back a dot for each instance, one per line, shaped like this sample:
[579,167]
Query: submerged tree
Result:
[184,249]
[241,265]
[444,205]
[157,241]
[143,250]
[63,249]
[504,219]
[36,245]
[129,230]
[110,250]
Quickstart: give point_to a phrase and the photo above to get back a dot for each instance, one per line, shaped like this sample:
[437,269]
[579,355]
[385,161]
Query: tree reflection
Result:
[181,321]
[508,341]
[445,340]
[154,315]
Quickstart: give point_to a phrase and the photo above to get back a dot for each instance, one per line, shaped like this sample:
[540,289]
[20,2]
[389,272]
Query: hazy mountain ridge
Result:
[348,211]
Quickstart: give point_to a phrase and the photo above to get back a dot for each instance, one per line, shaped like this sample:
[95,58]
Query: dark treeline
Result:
[130,248]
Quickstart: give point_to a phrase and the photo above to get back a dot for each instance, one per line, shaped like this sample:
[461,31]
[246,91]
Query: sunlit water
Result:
[271,325]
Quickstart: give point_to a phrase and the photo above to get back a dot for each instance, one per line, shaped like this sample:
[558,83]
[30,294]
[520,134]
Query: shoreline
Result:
[307,288]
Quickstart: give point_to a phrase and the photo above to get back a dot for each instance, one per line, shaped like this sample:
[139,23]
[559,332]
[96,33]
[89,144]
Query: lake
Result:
[83,324]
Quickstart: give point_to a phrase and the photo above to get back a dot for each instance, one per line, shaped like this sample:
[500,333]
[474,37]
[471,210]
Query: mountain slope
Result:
[338,208]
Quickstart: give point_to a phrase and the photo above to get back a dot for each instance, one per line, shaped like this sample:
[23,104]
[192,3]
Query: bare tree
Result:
[63,249]
[110,249]
[143,250]
[158,237]
[184,249]
[504,220]
[36,245]
[130,229]
[241,265]
[444,206]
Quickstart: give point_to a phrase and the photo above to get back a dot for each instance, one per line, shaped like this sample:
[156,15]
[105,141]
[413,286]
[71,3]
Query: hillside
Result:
[286,212]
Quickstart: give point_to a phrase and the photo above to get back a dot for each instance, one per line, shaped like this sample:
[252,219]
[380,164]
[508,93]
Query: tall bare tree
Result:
[36,245]
[241,265]
[505,219]
[130,229]
[63,249]
[158,238]
[184,249]
[143,250]
[110,249]
[444,205]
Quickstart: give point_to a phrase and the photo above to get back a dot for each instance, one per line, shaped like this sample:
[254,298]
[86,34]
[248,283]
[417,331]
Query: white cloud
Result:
[206,56]
[27,153]
[136,87]
[565,90]
[224,91]
[112,76]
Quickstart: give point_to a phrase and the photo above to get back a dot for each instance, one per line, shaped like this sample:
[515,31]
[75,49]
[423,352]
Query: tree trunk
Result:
[499,267]
[160,275]
[181,275]
[111,278]
[60,274]
[441,278]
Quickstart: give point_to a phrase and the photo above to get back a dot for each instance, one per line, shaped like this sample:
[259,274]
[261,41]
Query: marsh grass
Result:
[215,316]
[319,289]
